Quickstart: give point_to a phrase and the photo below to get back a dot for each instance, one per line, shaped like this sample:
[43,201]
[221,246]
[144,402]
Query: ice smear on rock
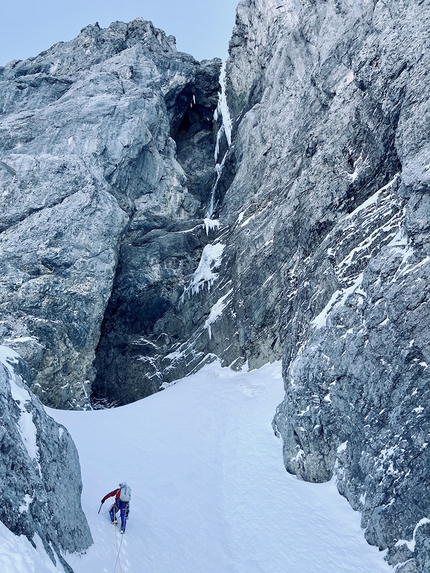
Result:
[204,275]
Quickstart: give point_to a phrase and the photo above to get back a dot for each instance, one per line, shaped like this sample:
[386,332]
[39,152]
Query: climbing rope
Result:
[118,550]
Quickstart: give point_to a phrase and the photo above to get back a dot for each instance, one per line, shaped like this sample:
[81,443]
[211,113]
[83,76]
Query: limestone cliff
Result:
[39,469]
[91,132]
[331,130]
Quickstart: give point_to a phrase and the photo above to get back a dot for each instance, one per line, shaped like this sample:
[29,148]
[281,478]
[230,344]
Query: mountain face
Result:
[39,468]
[100,222]
[144,232]
[332,113]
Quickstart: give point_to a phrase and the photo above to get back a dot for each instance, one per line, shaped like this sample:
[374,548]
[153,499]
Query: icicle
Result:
[226,119]
[225,129]
[223,111]
[218,170]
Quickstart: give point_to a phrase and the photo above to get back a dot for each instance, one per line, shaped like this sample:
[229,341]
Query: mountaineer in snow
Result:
[121,504]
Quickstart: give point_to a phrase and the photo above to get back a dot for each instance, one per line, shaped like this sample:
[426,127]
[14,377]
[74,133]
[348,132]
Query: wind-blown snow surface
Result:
[18,556]
[209,490]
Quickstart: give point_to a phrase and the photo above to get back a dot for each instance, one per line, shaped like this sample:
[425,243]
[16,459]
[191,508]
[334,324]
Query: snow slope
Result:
[209,490]
[18,556]
[210,493]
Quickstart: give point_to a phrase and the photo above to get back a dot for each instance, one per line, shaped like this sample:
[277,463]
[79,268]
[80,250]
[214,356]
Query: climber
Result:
[121,504]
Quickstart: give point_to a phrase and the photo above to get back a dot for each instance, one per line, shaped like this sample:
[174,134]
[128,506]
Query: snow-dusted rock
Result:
[311,145]
[39,469]
[331,146]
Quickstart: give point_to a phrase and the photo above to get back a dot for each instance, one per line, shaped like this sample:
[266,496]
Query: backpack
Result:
[125,493]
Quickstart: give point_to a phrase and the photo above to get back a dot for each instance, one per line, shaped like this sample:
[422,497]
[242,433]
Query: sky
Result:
[27,27]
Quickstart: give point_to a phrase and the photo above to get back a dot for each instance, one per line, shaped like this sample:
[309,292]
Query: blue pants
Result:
[122,507]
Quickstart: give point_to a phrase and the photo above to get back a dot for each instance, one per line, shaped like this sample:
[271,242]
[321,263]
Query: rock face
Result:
[90,136]
[39,469]
[132,253]
[324,232]
[331,123]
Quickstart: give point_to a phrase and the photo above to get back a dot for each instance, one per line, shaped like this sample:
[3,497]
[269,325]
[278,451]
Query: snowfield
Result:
[209,490]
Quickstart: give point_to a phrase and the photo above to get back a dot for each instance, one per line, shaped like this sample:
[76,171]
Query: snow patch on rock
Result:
[204,275]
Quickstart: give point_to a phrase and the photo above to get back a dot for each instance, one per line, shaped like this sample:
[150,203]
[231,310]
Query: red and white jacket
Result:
[115,492]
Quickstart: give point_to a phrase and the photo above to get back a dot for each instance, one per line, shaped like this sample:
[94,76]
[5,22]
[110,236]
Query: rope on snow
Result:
[118,549]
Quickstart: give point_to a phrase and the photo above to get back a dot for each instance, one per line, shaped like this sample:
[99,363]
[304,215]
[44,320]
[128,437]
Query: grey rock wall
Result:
[311,143]
[162,243]
[90,136]
[39,469]
[341,99]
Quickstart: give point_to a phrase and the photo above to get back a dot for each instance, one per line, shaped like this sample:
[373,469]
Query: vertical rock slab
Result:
[39,469]
[356,355]
[162,244]
[88,166]
[312,142]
